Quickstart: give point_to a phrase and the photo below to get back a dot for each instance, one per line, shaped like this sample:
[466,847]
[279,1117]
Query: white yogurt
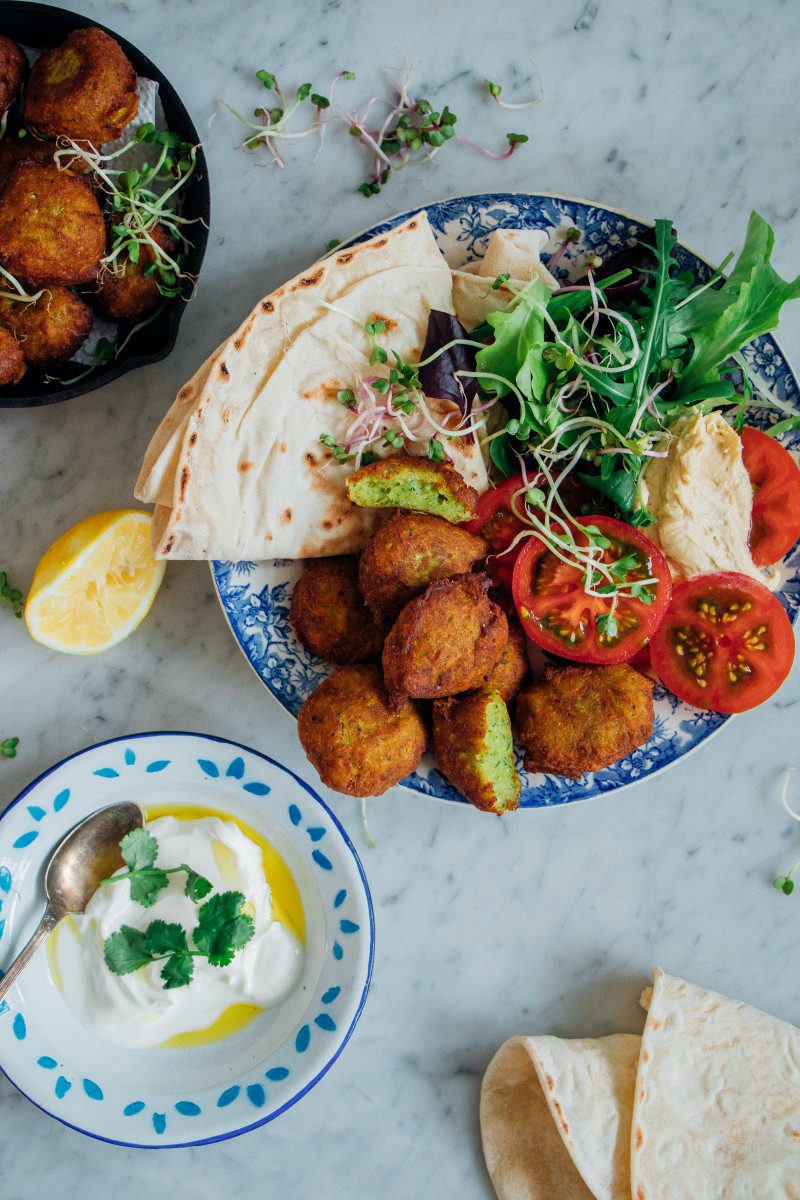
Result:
[135,1010]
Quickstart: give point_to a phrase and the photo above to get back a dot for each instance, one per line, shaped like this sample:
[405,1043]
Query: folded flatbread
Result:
[512,252]
[236,469]
[704,1106]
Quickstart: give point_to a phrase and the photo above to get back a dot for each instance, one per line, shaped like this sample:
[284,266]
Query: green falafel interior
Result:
[417,484]
[496,760]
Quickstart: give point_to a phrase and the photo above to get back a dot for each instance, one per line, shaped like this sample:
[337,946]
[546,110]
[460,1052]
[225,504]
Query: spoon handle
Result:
[46,925]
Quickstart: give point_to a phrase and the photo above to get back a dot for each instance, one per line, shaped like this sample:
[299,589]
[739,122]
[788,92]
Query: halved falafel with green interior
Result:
[582,718]
[474,746]
[329,615]
[83,89]
[51,329]
[359,744]
[444,641]
[51,227]
[419,484]
[408,553]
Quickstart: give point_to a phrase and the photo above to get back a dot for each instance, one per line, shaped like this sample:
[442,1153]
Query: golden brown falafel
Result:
[12,363]
[357,742]
[329,615]
[406,554]
[403,481]
[132,295]
[581,718]
[84,89]
[510,671]
[51,329]
[445,641]
[474,747]
[51,227]
[13,67]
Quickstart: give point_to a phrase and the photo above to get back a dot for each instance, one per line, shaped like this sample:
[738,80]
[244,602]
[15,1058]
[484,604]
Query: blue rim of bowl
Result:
[51,25]
[210,737]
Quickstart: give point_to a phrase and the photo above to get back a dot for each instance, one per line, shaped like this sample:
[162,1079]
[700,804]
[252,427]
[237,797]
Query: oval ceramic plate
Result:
[181,1097]
[256,596]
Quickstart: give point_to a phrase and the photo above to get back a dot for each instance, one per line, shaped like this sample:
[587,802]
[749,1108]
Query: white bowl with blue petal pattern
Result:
[255,597]
[180,1097]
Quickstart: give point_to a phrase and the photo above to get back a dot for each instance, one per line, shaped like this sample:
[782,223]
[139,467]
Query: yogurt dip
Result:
[135,1010]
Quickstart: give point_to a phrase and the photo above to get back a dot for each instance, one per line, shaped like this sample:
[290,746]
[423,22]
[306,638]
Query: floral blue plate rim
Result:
[255,596]
[337,985]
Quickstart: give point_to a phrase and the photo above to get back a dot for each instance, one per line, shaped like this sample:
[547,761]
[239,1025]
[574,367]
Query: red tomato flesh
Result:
[775,477]
[499,525]
[725,644]
[561,617]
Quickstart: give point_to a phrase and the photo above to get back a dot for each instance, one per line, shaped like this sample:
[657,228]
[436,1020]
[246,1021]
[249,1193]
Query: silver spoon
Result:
[89,852]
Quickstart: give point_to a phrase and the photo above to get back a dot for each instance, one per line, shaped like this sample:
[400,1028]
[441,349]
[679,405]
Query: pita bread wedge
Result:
[717,1109]
[512,252]
[237,470]
[555,1117]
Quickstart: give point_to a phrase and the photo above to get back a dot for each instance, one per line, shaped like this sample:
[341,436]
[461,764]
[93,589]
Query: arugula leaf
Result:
[139,849]
[223,928]
[719,323]
[125,951]
[662,295]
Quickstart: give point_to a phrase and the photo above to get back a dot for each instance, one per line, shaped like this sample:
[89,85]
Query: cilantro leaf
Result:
[223,928]
[139,849]
[126,951]
[164,937]
[147,884]
[197,886]
[177,971]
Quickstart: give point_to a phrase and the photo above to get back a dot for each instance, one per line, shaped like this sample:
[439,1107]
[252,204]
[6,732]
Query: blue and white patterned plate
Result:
[182,1097]
[255,596]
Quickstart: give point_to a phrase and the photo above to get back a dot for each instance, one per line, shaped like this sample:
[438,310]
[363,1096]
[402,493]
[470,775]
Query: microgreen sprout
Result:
[8,748]
[411,130]
[142,198]
[785,883]
[104,352]
[11,595]
[495,91]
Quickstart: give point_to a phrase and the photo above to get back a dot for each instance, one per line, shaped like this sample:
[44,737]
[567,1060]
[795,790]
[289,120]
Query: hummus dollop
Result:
[702,500]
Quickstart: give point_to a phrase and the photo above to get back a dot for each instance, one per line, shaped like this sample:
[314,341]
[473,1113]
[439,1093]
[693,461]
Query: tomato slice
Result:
[775,476]
[726,643]
[560,616]
[499,525]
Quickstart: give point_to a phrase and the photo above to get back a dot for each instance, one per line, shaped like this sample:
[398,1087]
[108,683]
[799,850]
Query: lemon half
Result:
[95,584]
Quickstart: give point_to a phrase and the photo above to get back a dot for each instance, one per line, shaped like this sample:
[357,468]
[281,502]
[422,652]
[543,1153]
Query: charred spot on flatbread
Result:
[224,372]
[185,476]
[286,516]
[310,458]
[387,321]
[237,343]
[245,465]
[267,305]
[193,439]
[343,259]
[309,281]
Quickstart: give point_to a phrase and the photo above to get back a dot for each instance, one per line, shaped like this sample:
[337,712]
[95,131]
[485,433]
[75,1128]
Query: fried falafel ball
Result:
[51,329]
[329,615]
[445,641]
[132,295]
[474,747]
[84,89]
[12,363]
[406,554]
[581,718]
[51,227]
[403,481]
[358,743]
[13,65]
[510,671]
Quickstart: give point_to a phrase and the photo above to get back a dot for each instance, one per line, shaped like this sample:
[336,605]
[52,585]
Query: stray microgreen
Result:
[104,353]
[435,450]
[139,851]
[495,91]
[8,748]
[11,595]
[338,451]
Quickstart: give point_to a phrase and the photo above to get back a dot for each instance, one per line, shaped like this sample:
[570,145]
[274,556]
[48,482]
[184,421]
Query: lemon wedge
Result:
[95,584]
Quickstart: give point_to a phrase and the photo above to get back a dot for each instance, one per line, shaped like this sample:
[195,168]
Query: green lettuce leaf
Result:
[719,323]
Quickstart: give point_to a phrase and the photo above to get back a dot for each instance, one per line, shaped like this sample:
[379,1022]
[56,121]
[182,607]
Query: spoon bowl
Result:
[88,854]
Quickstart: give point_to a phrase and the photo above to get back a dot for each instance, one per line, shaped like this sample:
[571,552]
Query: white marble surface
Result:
[543,922]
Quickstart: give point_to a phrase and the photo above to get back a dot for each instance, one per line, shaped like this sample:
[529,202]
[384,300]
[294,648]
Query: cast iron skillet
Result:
[43,25]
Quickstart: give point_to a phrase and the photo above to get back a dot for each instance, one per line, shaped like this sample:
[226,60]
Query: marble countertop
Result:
[543,922]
